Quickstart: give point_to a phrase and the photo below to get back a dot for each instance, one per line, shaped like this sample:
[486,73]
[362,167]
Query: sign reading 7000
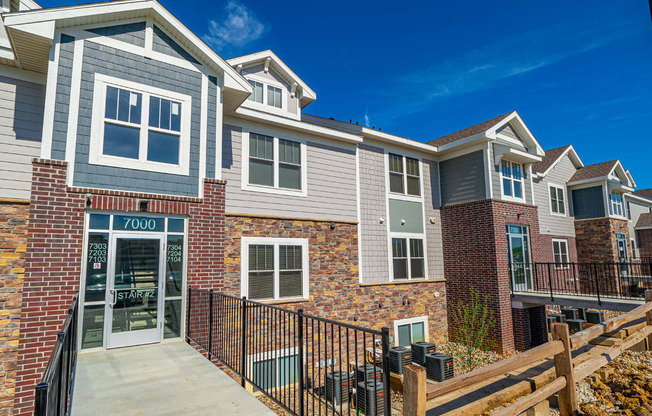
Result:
[129,223]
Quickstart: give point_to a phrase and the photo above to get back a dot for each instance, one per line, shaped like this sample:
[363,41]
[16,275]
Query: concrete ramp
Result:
[159,379]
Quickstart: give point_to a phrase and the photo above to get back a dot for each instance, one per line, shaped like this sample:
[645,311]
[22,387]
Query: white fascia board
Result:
[640,199]
[42,29]
[598,181]
[398,140]
[268,53]
[274,120]
[516,155]
[642,228]
[530,137]
[631,178]
[125,7]
[478,138]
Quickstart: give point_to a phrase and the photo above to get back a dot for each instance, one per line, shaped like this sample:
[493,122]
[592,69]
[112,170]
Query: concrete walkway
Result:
[159,379]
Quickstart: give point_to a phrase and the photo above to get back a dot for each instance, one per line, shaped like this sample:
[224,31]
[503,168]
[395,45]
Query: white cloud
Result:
[237,27]
[367,120]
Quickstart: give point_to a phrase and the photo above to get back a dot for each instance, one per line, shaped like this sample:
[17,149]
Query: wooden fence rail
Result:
[417,393]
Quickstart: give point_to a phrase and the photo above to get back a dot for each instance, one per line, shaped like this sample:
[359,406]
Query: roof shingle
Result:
[598,170]
[644,220]
[469,131]
[551,157]
[645,193]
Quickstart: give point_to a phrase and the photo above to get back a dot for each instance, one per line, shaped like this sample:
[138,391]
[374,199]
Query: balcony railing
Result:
[601,280]
[305,364]
[52,396]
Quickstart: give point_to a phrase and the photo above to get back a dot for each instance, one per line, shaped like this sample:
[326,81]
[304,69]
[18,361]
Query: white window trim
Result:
[96,157]
[560,241]
[404,196]
[408,236]
[563,188]
[246,186]
[411,321]
[275,355]
[512,180]
[611,203]
[244,264]
[264,106]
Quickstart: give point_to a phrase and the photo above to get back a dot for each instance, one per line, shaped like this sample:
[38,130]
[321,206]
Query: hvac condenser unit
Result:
[576,325]
[559,317]
[366,372]
[594,317]
[551,320]
[439,367]
[399,357]
[338,387]
[582,313]
[419,351]
[570,313]
[370,398]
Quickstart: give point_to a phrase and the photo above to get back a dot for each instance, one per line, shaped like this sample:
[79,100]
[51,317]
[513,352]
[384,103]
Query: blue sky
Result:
[578,72]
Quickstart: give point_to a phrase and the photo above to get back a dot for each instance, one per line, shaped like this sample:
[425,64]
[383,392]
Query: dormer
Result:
[277,89]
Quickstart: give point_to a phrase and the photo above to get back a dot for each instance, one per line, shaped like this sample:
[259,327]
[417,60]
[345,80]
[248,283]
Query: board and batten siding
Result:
[331,189]
[555,224]
[495,173]
[431,209]
[372,234]
[463,179]
[21,126]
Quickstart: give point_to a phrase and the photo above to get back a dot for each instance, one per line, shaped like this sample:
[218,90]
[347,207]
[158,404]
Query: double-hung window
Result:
[411,330]
[512,179]
[275,163]
[557,200]
[139,127]
[616,204]
[408,260]
[267,94]
[560,252]
[404,175]
[274,96]
[274,269]
[257,95]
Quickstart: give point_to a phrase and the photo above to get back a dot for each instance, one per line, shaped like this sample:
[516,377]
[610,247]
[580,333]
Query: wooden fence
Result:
[417,392]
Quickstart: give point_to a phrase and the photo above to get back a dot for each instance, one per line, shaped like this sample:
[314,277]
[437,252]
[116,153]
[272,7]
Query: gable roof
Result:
[40,23]
[644,221]
[553,156]
[599,170]
[469,131]
[645,193]
[308,95]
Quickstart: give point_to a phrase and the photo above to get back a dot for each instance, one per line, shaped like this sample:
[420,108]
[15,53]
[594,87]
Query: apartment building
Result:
[138,162]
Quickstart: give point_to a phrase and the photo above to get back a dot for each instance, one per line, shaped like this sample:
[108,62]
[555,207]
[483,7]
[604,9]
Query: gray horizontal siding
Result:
[164,44]
[331,183]
[548,223]
[259,72]
[636,209]
[62,98]
[373,242]
[588,203]
[133,33]
[211,128]
[21,125]
[105,60]
[431,210]
[463,179]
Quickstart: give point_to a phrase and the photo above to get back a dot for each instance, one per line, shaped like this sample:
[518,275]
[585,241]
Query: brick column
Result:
[645,242]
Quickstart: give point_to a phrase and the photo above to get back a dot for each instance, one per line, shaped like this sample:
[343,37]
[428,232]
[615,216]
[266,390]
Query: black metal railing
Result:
[53,393]
[306,364]
[601,280]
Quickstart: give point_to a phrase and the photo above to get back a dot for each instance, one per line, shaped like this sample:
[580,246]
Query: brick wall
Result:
[530,327]
[476,254]
[13,244]
[596,239]
[546,253]
[54,256]
[335,290]
[645,242]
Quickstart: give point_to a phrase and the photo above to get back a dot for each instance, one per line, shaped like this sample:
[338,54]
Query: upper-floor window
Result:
[139,127]
[404,175]
[629,210]
[512,179]
[275,162]
[274,96]
[616,204]
[257,95]
[557,200]
[274,269]
[408,260]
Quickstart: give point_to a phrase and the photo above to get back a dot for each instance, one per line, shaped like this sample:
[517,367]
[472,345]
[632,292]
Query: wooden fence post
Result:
[648,317]
[564,367]
[414,390]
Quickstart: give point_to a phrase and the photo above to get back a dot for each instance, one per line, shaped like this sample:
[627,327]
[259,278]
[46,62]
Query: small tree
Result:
[473,320]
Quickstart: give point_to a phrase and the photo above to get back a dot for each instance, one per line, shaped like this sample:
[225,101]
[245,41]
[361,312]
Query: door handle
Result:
[114,296]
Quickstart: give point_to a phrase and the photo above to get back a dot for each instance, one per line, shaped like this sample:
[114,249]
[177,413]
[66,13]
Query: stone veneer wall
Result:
[54,256]
[13,244]
[476,254]
[596,239]
[335,290]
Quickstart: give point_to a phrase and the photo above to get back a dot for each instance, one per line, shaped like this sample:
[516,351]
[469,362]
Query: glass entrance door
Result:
[519,257]
[134,299]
